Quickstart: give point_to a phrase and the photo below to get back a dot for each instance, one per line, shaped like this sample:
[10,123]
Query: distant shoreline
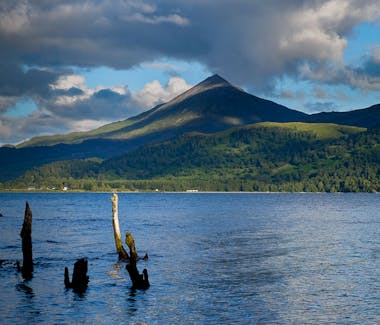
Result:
[174,192]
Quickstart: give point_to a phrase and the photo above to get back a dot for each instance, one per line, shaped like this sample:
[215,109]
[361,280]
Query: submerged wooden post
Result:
[80,279]
[123,255]
[26,235]
[139,281]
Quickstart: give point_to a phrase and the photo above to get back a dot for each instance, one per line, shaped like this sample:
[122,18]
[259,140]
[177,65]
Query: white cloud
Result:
[70,81]
[313,32]
[75,89]
[72,96]
[154,93]
[120,89]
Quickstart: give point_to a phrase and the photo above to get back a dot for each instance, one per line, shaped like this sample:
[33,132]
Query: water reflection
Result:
[22,287]
[131,302]
[26,306]
[115,271]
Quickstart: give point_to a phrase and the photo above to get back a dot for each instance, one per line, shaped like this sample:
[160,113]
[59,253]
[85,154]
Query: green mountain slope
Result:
[261,157]
[319,130]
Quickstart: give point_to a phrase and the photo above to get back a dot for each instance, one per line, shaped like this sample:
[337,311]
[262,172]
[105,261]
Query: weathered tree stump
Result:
[123,255]
[80,279]
[26,235]
[139,281]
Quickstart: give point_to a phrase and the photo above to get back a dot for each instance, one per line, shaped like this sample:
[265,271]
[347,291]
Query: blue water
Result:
[214,258]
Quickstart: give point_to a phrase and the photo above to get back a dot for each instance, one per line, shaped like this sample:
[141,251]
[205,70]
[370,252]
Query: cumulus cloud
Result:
[154,93]
[73,106]
[71,92]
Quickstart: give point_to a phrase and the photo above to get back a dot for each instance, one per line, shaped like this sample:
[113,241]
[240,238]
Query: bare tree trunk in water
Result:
[123,255]
[26,235]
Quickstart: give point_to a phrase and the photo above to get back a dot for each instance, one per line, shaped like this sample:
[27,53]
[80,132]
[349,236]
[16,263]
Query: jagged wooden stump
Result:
[139,281]
[27,252]
[80,279]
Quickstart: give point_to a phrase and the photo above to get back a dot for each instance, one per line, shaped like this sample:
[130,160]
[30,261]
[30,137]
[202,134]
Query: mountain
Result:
[366,117]
[210,106]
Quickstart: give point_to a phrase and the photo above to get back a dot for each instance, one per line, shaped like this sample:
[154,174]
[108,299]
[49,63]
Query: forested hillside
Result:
[263,157]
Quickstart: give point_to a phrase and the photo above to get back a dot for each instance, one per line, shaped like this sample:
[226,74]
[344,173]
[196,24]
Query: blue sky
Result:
[69,65]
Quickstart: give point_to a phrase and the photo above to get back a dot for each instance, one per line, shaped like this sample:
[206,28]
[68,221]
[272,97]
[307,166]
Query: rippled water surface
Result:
[214,258]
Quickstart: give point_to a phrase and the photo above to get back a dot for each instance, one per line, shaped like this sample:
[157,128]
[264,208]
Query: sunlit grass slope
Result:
[320,130]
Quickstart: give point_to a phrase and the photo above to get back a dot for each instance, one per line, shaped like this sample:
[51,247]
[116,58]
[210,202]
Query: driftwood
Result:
[123,255]
[26,235]
[80,279]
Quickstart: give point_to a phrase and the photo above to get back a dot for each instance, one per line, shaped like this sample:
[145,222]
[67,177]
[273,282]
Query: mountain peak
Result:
[214,81]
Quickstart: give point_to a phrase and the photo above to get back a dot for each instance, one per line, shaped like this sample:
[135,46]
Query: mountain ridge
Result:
[368,117]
